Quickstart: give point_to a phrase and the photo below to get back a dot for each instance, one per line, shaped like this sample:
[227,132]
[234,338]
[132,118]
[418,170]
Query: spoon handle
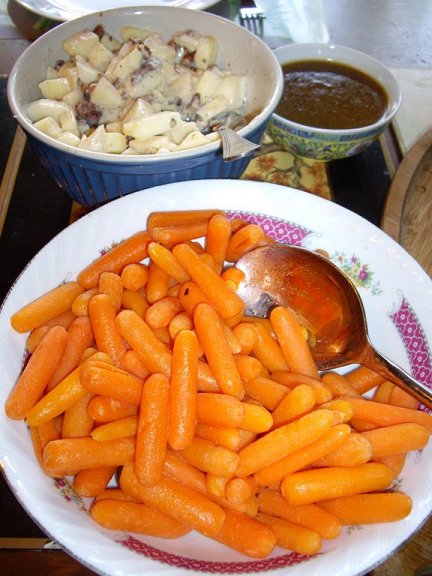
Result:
[391,371]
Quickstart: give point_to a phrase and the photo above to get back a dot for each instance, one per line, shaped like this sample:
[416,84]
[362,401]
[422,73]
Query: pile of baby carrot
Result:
[174,411]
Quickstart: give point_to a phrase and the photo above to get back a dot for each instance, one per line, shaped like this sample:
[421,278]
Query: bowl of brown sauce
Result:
[336,101]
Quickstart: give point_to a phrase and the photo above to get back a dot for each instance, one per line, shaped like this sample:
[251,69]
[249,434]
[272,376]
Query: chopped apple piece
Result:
[54,88]
[80,43]
[206,52]
[151,125]
[43,107]
[105,95]
[49,126]
[99,56]
[115,142]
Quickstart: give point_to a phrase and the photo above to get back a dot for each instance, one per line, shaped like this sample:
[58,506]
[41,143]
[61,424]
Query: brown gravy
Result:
[330,95]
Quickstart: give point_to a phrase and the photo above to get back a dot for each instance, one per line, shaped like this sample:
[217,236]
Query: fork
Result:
[252,18]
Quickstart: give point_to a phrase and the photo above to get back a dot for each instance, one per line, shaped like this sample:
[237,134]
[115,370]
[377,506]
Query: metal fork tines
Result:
[252,17]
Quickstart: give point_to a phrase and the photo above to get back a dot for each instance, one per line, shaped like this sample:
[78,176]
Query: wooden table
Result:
[399,33]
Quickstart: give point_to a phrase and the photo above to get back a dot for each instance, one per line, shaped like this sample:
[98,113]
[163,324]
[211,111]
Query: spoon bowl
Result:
[326,302]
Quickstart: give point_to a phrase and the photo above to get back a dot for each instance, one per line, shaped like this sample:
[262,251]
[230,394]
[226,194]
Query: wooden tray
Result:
[407,215]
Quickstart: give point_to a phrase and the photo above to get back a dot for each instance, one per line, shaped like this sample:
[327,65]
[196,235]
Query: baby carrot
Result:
[310,516]
[77,421]
[106,380]
[189,507]
[399,397]
[238,490]
[166,261]
[178,469]
[256,418]
[291,379]
[91,482]
[387,415]
[120,428]
[46,307]
[292,536]
[369,508]
[36,374]
[339,385]
[395,462]
[216,485]
[174,217]
[318,484]
[247,336]
[181,321]
[363,379]
[60,457]
[216,349]
[283,440]
[152,432]
[266,391]
[134,276]
[157,283]
[355,450]
[218,235]
[132,363]
[135,517]
[248,366]
[227,303]
[161,312]
[111,285]
[228,437]
[35,337]
[131,250]
[170,235]
[294,347]
[294,404]
[103,409]
[190,295]
[330,440]
[208,457]
[243,241]
[183,390]
[267,350]
[247,535]
[102,317]
[219,409]
[80,337]
[396,439]
[136,301]
[80,305]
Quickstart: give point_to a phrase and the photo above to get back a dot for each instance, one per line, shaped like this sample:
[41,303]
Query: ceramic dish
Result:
[398,298]
[62,10]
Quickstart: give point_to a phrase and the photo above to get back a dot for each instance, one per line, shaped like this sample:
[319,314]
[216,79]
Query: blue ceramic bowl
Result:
[324,144]
[93,178]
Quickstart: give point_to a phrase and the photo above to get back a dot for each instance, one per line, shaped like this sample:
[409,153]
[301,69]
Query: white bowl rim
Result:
[127,159]
[394,103]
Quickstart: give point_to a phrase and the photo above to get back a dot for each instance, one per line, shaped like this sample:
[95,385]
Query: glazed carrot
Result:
[330,440]
[238,490]
[244,240]
[174,217]
[161,312]
[292,536]
[267,350]
[363,379]
[152,432]
[77,421]
[218,235]
[310,516]
[91,482]
[228,437]
[134,276]
[102,409]
[283,440]
[208,457]
[383,392]
[266,391]
[135,301]
[256,418]
[291,379]
[355,450]
[247,336]
[183,390]
[166,261]
[102,317]
[64,319]
[178,469]
[231,338]
[120,428]
[396,439]
[395,462]
[342,409]
[131,250]
[339,385]
[189,507]
[114,494]
[294,347]
[218,354]
[37,373]
[106,380]
[227,303]
[248,366]
[35,337]
[80,305]
[62,456]
[399,397]
[247,535]
[387,415]
[135,517]
[318,484]
[132,363]
[190,295]
[216,485]
[80,337]
[294,404]
[369,508]
[157,283]
[233,274]
[111,285]
[40,436]
[46,307]
[170,235]
[181,321]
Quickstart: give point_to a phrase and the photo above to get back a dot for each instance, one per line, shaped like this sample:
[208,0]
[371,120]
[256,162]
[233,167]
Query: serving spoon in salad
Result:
[326,302]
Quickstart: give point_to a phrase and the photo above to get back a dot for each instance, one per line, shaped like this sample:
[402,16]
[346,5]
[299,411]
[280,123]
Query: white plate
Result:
[64,10]
[397,295]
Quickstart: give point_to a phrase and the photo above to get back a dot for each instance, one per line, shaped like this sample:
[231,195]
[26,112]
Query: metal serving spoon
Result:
[235,146]
[326,302]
